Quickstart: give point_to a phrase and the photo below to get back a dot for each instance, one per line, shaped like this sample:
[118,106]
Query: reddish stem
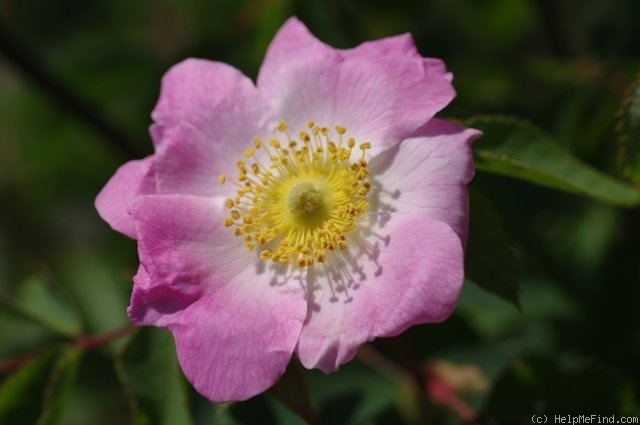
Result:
[88,342]
[16,362]
[82,342]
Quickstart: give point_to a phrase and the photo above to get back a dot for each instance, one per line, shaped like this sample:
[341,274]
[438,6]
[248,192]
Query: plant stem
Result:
[82,342]
[88,342]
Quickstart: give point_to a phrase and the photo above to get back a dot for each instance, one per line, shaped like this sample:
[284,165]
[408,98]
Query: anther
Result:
[305,200]
[275,143]
[266,254]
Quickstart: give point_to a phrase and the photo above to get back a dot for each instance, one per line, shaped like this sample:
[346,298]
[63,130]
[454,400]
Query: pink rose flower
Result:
[309,213]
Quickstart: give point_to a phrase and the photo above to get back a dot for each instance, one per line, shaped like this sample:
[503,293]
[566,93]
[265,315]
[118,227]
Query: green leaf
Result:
[20,332]
[100,292]
[261,410]
[292,391]
[355,395]
[628,129]
[149,370]
[21,394]
[490,262]
[40,301]
[59,387]
[515,148]
[268,18]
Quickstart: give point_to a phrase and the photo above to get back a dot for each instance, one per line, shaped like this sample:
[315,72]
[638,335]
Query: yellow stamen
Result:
[305,201]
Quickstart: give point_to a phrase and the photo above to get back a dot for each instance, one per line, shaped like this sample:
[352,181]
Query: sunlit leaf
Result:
[490,260]
[149,370]
[515,148]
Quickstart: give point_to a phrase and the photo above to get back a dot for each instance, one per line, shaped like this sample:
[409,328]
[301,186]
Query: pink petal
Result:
[411,274]
[399,45]
[130,180]
[428,174]
[154,303]
[182,242]
[235,328]
[237,342]
[182,245]
[189,164]
[382,91]
[207,114]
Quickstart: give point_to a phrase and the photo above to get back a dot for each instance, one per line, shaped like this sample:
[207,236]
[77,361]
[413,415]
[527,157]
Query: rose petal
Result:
[367,89]
[412,273]
[428,174]
[189,164]
[130,180]
[182,241]
[182,245]
[155,303]
[235,329]
[207,114]
[237,342]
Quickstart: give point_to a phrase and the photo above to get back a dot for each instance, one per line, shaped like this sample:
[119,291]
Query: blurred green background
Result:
[78,80]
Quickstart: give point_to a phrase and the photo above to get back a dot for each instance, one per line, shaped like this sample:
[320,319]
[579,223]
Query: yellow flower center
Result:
[305,202]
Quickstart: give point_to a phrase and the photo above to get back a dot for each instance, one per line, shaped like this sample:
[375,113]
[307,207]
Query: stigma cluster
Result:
[298,198]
